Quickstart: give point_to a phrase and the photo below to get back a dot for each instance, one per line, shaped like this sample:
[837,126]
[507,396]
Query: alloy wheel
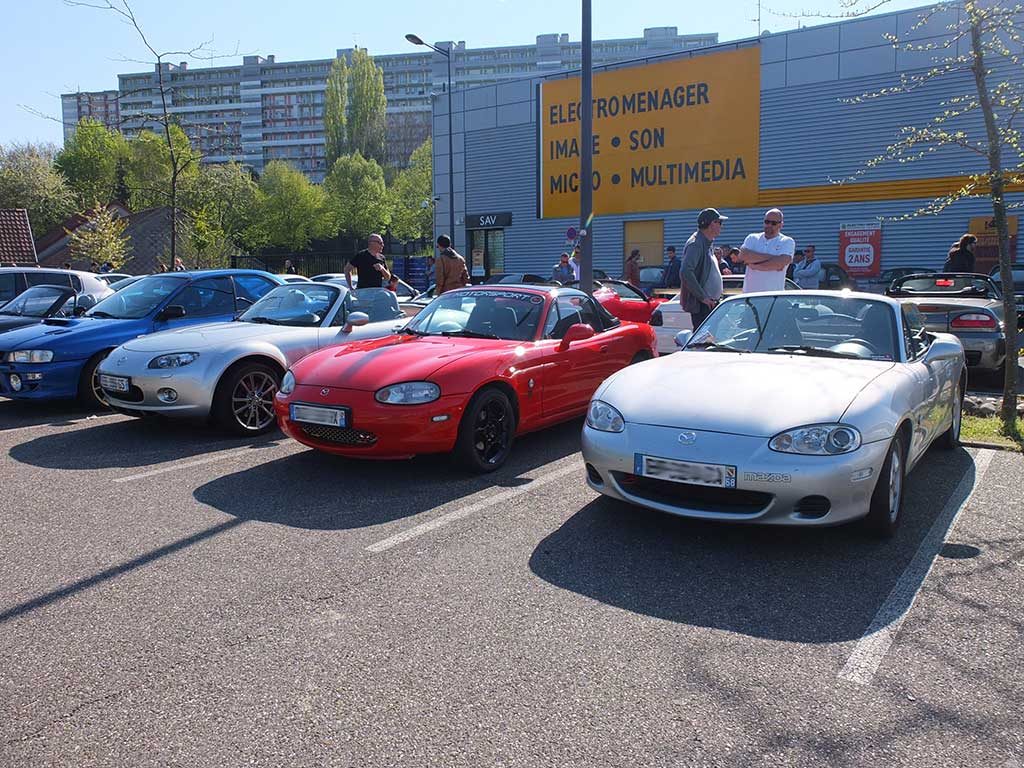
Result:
[252,402]
[895,482]
[491,432]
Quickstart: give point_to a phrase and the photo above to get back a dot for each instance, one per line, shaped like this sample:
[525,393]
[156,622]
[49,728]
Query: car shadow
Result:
[128,443]
[338,493]
[16,414]
[793,584]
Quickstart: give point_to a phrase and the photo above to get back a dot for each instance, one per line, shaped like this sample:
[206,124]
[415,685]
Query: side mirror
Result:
[575,332]
[172,312]
[79,310]
[682,338]
[943,349]
[354,320]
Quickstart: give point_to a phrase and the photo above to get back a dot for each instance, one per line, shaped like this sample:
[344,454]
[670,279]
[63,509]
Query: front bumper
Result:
[375,430]
[771,487]
[191,383]
[56,380]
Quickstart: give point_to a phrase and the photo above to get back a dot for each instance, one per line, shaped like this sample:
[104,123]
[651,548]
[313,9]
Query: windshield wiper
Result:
[814,351]
[714,346]
[469,334]
[413,332]
[101,313]
[267,320]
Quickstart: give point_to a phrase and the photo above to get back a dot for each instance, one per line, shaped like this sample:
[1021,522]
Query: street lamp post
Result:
[451,150]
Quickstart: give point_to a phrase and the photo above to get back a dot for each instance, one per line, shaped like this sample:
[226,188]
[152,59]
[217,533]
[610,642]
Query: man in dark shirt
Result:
[371,269]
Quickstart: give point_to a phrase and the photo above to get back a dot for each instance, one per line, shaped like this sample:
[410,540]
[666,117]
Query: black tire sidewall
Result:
[464,445]
[877,519]
[86,396]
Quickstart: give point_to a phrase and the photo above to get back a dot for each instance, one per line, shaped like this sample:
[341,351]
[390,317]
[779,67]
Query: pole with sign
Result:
[586,158]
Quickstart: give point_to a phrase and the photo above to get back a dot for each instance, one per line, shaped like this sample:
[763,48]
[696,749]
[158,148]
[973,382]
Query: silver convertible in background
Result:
[793,408]
[231,371]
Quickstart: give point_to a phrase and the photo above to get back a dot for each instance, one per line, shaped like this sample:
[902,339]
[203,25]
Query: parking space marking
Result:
[463,512]
[175,467]
[874,644]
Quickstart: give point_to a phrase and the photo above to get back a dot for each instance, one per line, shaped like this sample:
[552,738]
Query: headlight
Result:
[30,356]
[604,418]
[817,440]
[175,360]
[409,393]
[287,383]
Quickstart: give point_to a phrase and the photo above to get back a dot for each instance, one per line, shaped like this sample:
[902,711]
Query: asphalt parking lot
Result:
[170,596]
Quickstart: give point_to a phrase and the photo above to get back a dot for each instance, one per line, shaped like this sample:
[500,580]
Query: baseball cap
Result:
[707,216]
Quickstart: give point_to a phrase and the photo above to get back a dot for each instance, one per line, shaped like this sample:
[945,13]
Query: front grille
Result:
[339,435]
[701,498]
[133,395]
[973,357]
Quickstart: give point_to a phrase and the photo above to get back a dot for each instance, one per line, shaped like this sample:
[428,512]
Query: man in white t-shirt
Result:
[767,254]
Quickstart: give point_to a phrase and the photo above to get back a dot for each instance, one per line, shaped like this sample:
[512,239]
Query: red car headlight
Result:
[408,393]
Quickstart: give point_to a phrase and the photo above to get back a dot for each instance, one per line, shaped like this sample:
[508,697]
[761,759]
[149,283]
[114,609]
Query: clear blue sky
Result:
[53,48]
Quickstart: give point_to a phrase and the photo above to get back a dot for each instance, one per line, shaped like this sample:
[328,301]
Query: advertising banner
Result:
[671,135]
[860,248]
[986,251]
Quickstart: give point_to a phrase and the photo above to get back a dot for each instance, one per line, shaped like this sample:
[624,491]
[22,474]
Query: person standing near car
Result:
[289,268]
[767,254]
[807,274]
[450,268]
[371,269]
[562,271]
[701,279]
[961,255]
[631,272]
[574,262]
[671,279]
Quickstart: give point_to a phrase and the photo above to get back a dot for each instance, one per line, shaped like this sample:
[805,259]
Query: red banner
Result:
[860,249]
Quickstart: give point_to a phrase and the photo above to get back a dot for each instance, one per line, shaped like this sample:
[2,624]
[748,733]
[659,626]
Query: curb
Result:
[989,446]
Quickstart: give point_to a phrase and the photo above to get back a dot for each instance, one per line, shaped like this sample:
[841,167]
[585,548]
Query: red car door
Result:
[625,302]
[573,373]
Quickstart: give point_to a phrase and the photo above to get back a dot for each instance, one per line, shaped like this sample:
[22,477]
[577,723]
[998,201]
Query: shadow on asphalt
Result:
[339,493]
[129,443]
[15,415]
[801,585]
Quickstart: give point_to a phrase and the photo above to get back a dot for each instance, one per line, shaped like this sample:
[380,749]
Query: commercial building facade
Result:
[743,127]
[267,110]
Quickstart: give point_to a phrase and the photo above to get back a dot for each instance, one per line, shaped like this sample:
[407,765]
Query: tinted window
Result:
[48,278]
[8,286]
[138,299]
[251,288]
[505,314]
[209,297]
[624,291]
[35,302]
[568,311]
[304,304]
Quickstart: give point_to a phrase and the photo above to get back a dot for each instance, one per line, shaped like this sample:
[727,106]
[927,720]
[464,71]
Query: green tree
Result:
[290,211]
[979,120]
[154,178]
[358,196]
[101,238]
[28,180]
[412,212]
[220,206]
[336,112]
[89,161]
[367,107]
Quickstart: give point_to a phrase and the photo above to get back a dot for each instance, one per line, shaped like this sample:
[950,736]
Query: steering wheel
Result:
[863,342]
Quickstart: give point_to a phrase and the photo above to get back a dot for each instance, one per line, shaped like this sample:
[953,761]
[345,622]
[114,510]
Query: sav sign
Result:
[488,220]
[860,248]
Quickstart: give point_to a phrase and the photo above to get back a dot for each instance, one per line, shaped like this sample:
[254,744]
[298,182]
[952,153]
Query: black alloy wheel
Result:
[487,430]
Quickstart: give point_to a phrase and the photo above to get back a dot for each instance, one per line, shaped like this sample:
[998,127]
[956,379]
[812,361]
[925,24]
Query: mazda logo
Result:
[121,360]
[325,392]
[687,438]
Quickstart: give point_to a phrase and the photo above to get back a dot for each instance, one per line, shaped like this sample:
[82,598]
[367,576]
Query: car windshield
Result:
[489,314]
[651,274]
[39,302]
[820,326]
[948,285]
[299,304]
[379,303]
[138,299]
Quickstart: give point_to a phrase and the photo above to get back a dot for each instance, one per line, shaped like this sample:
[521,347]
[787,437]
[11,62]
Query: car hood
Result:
[370,365]
[9,322]
[199,337]
[68,334]
[745,394]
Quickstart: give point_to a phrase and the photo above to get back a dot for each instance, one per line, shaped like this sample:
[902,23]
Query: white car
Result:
[670,318]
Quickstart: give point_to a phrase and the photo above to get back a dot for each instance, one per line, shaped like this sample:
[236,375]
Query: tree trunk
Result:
[997,187]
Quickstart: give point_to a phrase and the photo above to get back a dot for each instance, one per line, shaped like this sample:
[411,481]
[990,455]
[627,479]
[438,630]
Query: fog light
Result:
[33,377]
[16,382]
[861,474]
[166,395]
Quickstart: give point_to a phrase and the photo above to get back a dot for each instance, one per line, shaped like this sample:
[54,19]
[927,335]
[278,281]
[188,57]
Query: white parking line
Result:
[867,656]
[177,466]
[463,512]
[59,424]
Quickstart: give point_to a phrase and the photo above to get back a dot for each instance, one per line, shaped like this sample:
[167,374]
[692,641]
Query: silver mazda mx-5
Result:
[794,408]
[231,371]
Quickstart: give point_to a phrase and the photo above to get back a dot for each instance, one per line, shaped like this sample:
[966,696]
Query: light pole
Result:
[451,151]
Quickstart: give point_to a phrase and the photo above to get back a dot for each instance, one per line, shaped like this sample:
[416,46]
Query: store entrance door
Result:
[487,252]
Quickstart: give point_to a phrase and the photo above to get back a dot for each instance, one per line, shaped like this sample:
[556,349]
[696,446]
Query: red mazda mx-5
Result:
[472,370]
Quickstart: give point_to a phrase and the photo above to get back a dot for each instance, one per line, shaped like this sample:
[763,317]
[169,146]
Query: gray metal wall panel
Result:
[813,70]
[866,33]
[519,90]
[867,61]
[478,98]
[773,48]
[815,41]
[513,114]
[481,119]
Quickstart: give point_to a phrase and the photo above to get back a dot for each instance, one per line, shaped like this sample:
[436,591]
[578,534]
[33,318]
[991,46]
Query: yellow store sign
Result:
[676,134]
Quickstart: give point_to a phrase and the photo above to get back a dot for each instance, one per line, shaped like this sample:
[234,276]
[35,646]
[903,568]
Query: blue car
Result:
[57,359]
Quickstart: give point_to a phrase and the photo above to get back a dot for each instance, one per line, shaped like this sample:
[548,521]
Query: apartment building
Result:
[267,110]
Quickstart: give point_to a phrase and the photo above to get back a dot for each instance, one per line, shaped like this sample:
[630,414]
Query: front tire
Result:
[245,399]
[950,439]
[487,430]
[90,394]
[886,506]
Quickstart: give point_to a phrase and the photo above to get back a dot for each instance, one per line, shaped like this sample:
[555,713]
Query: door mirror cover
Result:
[576,332]
[172,312]
[354,320]
[682,338]
[943,347]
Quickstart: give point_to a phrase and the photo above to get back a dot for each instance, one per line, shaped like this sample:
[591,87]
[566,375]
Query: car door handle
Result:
[604,347]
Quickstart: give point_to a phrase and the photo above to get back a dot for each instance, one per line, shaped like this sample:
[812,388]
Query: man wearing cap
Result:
[701,279]
[767,254]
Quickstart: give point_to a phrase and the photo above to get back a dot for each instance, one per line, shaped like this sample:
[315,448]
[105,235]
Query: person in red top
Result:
[632,271]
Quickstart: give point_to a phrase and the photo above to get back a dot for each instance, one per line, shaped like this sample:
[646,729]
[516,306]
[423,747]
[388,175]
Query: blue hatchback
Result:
[58,358]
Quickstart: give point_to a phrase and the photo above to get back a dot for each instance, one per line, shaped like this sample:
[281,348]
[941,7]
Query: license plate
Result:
[115,383]
[714,475]
[311,414]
